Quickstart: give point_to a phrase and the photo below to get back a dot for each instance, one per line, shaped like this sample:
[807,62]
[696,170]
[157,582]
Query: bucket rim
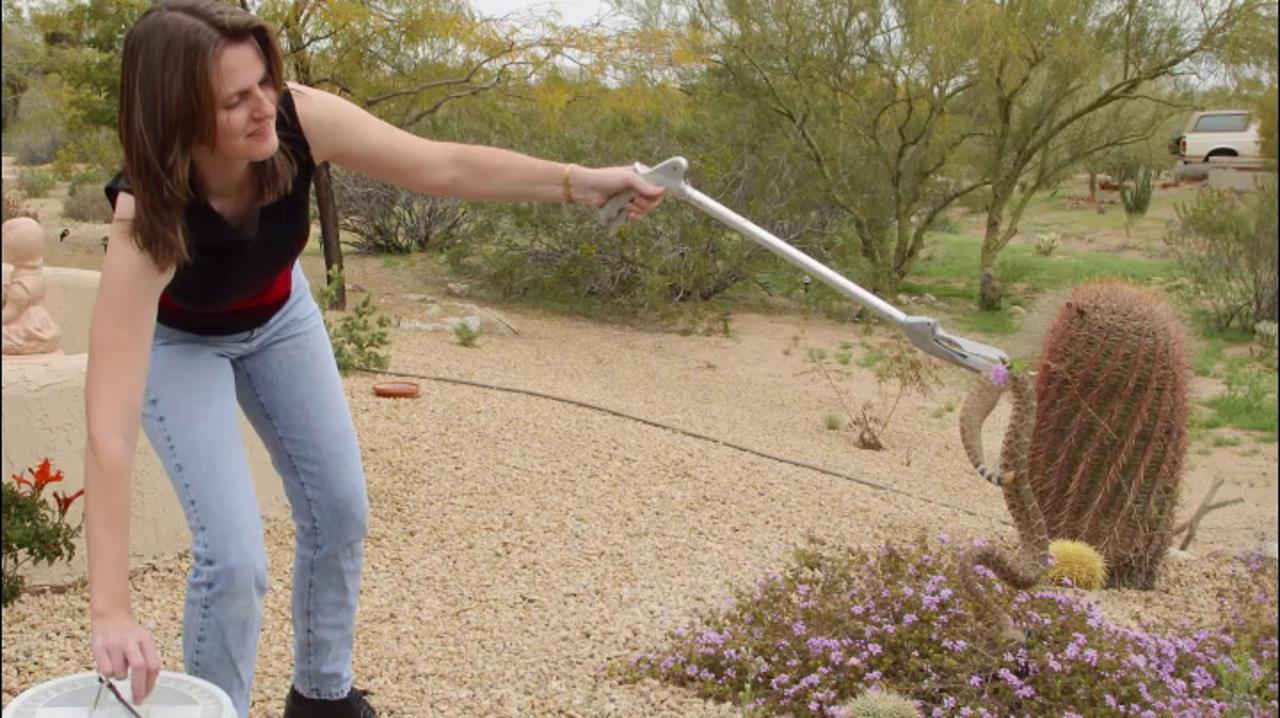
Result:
[21,703]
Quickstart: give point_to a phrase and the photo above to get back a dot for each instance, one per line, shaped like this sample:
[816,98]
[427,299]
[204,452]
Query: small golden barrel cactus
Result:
[1077,561]
[881,704]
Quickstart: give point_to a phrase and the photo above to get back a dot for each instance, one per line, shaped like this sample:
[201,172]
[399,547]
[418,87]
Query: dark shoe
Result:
[354,705]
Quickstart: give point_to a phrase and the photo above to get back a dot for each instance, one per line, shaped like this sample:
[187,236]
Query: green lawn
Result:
[948,271]
[950,265]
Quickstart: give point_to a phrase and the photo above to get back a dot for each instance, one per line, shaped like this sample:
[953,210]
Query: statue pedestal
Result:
[33,358]
[42,416]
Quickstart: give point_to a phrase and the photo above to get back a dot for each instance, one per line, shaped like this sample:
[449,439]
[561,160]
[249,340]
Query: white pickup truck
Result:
[1220,133]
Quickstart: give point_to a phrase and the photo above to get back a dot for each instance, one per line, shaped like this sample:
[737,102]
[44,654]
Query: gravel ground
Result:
[518,543]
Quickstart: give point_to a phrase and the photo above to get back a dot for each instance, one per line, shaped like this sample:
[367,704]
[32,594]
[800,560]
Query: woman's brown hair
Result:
[167,105]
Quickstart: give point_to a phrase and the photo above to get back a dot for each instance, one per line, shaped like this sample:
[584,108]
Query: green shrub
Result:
[944,224]
[466,335]
[1249,402]
[87,203]
[1226,243]
[358,337]
[92,178]
[35,531]
[36,183]
[33,147]
[384,218]
[38,130]
[1013,268]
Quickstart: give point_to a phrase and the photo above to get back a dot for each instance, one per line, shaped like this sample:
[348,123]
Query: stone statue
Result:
[29,331]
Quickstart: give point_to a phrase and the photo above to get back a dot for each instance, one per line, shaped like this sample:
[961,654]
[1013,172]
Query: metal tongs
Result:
[922,331]
[104,683]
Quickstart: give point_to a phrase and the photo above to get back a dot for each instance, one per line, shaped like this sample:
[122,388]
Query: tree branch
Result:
[473,90]
[1205,507]
[433,84]
[917,238]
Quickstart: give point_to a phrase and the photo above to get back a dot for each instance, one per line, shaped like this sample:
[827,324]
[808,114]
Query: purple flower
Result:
[1000,374]
[713,638]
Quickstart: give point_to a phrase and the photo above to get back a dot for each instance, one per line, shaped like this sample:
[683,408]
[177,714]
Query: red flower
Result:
[20,481]
[43,475]
[64,502]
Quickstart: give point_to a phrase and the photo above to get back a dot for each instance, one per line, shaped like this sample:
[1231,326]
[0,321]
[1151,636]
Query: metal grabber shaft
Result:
[921,331]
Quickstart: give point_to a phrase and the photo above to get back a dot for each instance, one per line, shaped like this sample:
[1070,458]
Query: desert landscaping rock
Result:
[446,316]
[517,544]
[1270,550]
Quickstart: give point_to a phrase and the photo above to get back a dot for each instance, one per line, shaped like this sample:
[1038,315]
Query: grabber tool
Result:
[921,331]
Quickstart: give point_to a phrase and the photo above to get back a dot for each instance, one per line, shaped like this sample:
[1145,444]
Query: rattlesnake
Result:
[1023,570]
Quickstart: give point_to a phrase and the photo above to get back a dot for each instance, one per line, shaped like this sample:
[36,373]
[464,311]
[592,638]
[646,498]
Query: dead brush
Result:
[902,371]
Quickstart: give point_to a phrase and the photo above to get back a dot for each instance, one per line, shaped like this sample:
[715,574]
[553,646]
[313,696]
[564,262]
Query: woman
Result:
[202,305]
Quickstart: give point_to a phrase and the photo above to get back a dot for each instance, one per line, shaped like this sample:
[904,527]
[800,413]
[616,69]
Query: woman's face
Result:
[245,103]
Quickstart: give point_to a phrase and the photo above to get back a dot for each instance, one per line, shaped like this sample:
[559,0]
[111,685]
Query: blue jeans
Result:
[284,377]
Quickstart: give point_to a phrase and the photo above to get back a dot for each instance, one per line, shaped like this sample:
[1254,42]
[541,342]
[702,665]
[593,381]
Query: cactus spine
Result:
[1110,427]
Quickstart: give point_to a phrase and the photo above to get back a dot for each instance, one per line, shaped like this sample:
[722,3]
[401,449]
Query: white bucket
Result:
[176,695]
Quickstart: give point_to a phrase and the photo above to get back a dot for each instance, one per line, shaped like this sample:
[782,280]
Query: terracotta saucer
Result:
[405,389]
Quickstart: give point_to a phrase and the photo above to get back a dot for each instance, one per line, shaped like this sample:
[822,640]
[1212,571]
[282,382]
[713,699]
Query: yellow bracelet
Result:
[568,188]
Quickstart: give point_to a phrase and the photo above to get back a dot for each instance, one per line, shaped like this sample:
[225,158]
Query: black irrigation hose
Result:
[61,588]
[686,432]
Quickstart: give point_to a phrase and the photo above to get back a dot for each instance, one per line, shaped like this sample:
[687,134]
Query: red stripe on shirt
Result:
[263,304]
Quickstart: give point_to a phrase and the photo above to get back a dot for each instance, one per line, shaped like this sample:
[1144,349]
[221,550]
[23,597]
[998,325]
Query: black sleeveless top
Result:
[235,281]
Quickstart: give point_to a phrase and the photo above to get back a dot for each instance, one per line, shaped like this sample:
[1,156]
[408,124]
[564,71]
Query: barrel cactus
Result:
[1106,451]
[1078,562]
